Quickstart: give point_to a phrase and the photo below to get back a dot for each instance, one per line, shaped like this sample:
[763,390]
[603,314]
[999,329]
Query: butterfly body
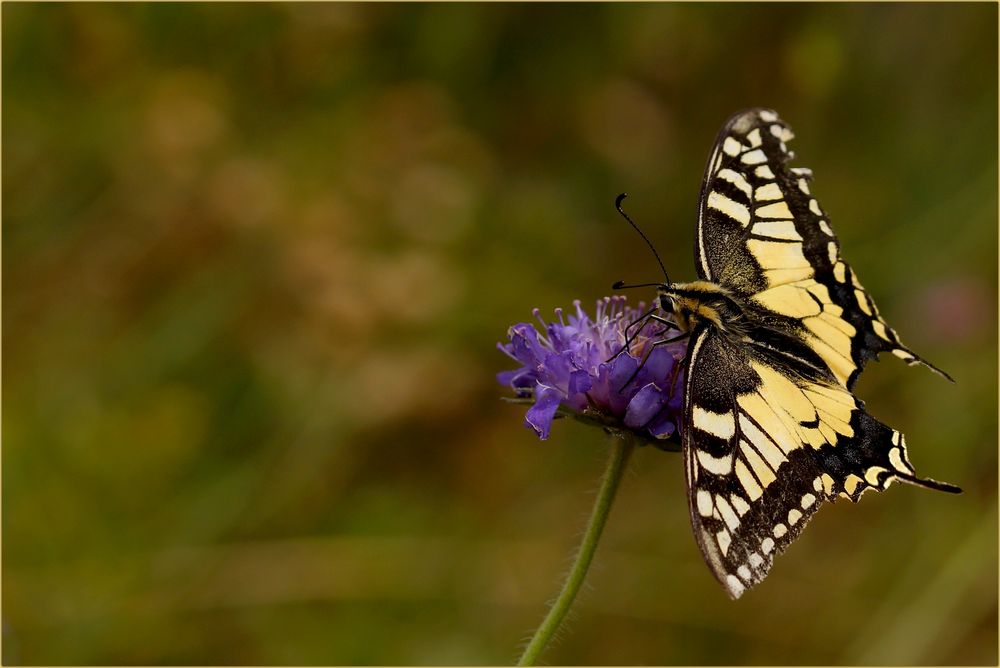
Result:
[780,329]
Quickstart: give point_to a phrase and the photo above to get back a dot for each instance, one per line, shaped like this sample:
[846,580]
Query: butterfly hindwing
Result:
[763,236]
[766,442]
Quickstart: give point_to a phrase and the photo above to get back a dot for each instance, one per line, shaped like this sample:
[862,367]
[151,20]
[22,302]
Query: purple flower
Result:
[572,367]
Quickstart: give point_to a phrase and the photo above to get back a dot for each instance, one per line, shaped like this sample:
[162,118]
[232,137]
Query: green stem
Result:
[622,446]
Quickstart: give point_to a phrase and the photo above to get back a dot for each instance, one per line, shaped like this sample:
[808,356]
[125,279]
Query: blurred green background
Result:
[256,259]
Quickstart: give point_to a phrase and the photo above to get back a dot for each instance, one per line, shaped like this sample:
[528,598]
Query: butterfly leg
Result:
[670,443]
[644,318]
[661,342]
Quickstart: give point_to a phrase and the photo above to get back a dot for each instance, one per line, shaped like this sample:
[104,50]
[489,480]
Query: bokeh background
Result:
[256,259]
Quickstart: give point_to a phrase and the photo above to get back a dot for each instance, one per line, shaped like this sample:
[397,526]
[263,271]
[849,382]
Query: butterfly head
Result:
[665,299]
[690,304]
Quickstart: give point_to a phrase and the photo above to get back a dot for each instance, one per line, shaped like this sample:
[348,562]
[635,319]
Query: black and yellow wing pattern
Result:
[763,236]
[772,427]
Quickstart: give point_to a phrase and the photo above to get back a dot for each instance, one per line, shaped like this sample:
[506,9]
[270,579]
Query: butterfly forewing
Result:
[763,236]
[766,441]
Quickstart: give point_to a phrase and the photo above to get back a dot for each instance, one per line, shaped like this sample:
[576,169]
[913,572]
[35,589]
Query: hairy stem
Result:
[622,446]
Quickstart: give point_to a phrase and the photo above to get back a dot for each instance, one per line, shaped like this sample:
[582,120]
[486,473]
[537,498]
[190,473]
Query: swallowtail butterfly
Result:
[780,328]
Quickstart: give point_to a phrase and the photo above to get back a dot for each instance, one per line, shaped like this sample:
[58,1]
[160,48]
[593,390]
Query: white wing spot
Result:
[880,330]
[741,506]
[731,147]
[704,500]
[767,545]
[738,212]
[776,210]
[743,572]
[831,249]
[823,225]
[768,116]
[818,484]
[754,157]
[722,425]
[724,540]
[767,192]
[794,516]
[756,560]
[808,500]
[718,465]
[839,272]
[764,172]
[828,483]
[804,186]
[735,586]
[754,138]
[814,207]
[862,301]
[728,515]
[851,484]
[736,179]
[780,530]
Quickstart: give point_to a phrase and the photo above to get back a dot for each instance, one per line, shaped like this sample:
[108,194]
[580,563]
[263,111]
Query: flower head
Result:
[576,365]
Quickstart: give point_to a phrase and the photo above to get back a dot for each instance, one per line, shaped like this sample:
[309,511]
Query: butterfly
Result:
[779,330]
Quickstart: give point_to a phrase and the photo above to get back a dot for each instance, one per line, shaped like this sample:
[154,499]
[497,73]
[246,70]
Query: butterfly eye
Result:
[667,304]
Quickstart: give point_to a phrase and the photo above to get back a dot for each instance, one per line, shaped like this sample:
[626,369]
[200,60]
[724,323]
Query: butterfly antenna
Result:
[618,205]
[620,285]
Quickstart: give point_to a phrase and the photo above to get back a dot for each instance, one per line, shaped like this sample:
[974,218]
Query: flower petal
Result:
[658,366]
[518,378]
[539,417]
[677,394]
[663,426]
[555,370]
[619,371]
[644,406]
[579,382]
[524,344]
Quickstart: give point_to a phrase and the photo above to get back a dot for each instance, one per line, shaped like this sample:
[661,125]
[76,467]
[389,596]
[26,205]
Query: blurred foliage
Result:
[256,259]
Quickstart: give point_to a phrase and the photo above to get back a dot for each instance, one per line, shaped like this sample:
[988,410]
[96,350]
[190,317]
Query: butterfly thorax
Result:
[693,303]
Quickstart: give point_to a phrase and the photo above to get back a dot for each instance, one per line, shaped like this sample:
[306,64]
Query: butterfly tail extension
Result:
[903,470]
[913,359]
[930,483]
